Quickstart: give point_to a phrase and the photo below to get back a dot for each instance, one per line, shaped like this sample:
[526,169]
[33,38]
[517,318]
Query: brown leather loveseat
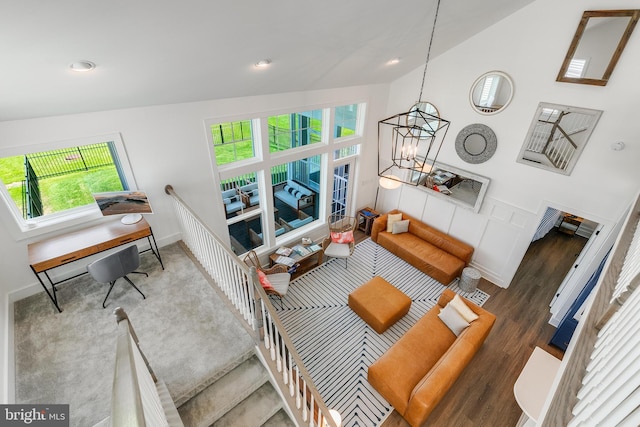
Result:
[418,370]
[435,253]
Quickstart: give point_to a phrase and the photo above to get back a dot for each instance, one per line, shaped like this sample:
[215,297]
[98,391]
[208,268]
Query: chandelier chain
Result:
[433,30]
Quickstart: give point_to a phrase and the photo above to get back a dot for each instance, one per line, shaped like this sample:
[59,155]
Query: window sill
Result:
[23,230]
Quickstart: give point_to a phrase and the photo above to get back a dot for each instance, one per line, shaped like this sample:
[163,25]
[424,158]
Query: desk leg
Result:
[155,251]
[52,295]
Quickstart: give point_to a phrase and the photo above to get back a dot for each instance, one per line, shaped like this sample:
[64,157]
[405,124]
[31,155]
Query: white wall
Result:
[167,145]
[530,46]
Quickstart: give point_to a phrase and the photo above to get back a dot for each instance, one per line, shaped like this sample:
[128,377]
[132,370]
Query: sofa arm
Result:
[379,224]
[285,224]
[434,386]
[306,200]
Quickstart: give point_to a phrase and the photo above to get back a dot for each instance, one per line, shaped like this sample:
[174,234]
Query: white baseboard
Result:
[79,268]
[7,374]
[488,275]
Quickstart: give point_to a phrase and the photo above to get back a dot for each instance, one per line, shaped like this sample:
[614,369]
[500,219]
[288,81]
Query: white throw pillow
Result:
[462,308]
[400,227]
[453,319]
[391,218]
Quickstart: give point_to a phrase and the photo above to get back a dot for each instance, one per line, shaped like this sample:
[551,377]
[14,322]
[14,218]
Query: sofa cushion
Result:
[462,308]
[453,319]
[391,218]
[300,222]
[442,240]
[338,250]
[248,188]
[402,367]
[426,257]
[264,281]
[291,192]
[344,237]
[400,227]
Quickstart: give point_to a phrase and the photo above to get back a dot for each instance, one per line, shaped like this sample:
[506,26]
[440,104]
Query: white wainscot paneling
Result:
[494,250]
[467,226]
[503,242]
[412,201]
[388,199]
[438,213]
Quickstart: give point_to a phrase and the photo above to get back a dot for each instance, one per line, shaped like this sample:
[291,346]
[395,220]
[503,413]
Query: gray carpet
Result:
[337,346]
[185,330]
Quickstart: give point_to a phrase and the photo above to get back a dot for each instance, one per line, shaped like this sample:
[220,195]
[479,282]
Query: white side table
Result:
[469,279]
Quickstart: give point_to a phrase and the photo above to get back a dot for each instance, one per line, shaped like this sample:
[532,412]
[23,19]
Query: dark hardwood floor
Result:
[483,394]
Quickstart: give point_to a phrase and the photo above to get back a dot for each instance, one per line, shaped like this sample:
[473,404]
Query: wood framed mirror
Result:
[597,45]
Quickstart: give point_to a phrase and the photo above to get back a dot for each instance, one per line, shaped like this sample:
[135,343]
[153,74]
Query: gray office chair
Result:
[114,266]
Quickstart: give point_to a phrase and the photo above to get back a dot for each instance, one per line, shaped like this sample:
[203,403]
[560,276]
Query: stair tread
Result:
[242,356]
[280,419]
[254,410]
[220,397]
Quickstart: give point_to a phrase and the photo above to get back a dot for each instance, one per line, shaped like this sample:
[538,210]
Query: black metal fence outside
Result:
[31,199]
[68,160]
[56,163]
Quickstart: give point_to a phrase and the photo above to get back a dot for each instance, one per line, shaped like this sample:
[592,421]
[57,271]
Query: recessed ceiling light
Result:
[393,61]
[263,63]
[82,66]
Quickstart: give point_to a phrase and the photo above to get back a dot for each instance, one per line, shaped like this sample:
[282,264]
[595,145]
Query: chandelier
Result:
[415,138]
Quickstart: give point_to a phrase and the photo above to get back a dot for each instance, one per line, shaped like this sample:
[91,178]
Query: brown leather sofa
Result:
[435,253]
[418,370]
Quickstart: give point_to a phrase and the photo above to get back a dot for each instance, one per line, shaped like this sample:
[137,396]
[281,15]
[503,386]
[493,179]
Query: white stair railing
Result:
[241,286]
[138,397]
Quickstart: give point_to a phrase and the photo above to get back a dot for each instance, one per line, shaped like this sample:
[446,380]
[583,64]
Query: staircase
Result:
[242,397]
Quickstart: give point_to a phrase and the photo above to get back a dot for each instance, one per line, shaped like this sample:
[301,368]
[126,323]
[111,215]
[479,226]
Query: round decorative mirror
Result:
[426,116]
[476,143]
[491,92]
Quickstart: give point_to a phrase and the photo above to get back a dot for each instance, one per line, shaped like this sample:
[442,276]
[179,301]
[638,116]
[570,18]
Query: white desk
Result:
[534,383]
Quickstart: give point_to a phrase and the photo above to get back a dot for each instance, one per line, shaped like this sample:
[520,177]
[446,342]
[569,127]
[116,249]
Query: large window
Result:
[296,192]
[280,192]
[346,120]
[294,130]
[44,183]
[232,141]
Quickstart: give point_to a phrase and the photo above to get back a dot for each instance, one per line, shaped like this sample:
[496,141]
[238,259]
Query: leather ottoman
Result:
[379,303]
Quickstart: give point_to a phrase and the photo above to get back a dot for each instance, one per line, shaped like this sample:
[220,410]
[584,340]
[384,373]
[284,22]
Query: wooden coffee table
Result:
[305,261]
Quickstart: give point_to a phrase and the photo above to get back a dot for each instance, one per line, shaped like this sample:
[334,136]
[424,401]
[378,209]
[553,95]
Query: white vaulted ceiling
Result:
[162,52]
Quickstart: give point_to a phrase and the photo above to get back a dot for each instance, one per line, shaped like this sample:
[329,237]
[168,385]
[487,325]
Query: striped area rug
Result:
[335,344]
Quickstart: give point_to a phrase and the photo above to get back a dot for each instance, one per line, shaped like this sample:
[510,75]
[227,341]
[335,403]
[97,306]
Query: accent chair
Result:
[340,243]
[274,280]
